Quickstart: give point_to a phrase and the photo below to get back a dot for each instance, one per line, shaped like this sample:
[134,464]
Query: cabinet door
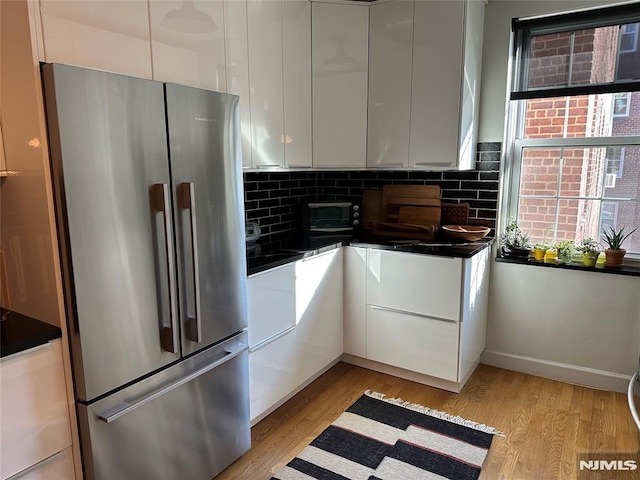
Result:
[422,284]
[355,278]
[265,81]
[237,67]
[435,92]
[319,315]
[272,303]
[474,24]
[112,36]
[33,408]
[390,55]
[187,43]
[296,49]
[340,38]
[417,343]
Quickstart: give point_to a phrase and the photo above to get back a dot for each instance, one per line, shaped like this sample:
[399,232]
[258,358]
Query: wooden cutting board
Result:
[419,215]
[370,211]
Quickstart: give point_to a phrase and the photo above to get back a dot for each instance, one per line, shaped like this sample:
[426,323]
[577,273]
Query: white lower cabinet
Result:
[417,343]
[34,412]
[421,317]
[290,355]
[56,467]
[272,373]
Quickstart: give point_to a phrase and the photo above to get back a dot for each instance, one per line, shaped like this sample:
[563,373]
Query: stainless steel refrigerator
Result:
[148,195]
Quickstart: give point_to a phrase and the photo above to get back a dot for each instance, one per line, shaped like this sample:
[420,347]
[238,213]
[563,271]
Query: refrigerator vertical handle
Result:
[188,202]
[161,203]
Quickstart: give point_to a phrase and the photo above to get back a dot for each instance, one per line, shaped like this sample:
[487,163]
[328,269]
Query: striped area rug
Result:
[387,439]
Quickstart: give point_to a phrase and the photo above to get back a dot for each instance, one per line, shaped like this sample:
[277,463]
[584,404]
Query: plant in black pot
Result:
[614,255]
[515,243]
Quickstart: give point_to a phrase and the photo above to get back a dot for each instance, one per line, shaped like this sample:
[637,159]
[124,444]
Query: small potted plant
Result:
[615,253]
[514,241]
[539,251]
[590,251]
[564,252]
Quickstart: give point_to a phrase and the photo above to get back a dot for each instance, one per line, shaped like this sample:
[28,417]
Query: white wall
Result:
[579,327]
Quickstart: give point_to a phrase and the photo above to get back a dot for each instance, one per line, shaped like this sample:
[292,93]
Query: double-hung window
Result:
[573,131]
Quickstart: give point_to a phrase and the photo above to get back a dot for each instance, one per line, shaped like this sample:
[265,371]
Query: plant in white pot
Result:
[615,253]
[590,250]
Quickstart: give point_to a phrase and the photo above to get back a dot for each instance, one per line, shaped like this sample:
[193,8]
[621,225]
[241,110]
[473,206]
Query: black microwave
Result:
[331,216]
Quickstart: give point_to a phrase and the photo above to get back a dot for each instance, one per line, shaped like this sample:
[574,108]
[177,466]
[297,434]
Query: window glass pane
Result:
[540,171]
[602,115]
[536,216]
[622,214]
[583,57]
[570,219]
[549,60]
[623,169]
[582,170]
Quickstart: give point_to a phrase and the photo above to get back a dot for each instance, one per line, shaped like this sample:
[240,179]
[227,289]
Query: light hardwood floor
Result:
[545,422]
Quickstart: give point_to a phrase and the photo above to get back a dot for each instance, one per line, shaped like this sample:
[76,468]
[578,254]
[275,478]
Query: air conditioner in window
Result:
[610,180]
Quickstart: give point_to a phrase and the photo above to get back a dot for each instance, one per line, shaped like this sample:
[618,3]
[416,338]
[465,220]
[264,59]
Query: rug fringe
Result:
[435,413]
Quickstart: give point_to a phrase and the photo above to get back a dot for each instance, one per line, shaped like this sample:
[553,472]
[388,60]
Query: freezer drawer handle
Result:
[188,202]
[125,408]
[161,203]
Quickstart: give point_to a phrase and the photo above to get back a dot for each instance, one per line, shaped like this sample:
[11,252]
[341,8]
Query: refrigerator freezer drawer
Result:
[189,421]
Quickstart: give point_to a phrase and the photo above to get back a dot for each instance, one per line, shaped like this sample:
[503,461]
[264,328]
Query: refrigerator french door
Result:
[148,196]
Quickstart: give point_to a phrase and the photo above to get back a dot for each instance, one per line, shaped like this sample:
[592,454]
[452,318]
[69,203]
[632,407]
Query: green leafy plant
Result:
[542,246]
[514,237]
[615,238]
[565,251]
[588,245]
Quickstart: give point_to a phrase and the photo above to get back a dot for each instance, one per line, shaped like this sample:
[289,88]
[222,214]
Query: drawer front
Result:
[33,408]
[56,467]
[273,373]
[272,303]
[417,343]
[422,284]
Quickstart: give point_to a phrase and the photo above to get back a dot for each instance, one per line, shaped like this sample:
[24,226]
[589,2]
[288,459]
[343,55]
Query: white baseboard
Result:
[574,374]
[450,386]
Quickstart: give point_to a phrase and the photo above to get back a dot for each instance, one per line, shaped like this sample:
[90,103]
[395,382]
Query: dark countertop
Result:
[270,256]
[19,332]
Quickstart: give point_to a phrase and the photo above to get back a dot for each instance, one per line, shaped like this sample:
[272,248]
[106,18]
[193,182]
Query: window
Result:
[628,38]
[572,127]
[621,103]
[615,162]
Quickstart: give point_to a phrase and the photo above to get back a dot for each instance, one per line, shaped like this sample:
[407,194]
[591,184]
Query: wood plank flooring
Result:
[546,422]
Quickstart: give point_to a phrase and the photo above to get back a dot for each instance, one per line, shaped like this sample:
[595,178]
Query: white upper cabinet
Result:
[188,43]
[340,41]
[112,36]
[446,68]
[296,49]
[265,82]
[390,55]
[237,63]
[474,26]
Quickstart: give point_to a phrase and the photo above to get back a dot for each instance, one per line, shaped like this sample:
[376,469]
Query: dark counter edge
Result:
[26,333]
[624,270]
[463,251]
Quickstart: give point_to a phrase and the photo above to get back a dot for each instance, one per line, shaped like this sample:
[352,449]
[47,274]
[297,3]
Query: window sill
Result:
[629,270]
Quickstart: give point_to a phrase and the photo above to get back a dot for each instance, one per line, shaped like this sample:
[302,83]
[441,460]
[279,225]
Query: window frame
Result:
[635,38]
[522,32]
[627,109]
